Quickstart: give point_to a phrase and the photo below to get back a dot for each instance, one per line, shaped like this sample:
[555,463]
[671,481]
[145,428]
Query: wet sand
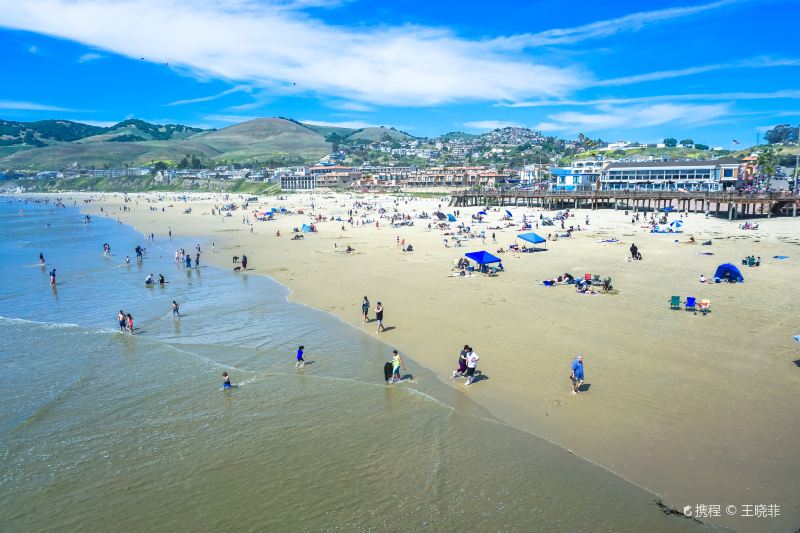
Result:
[699,409]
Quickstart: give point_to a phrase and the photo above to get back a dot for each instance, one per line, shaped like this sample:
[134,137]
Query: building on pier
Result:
[709,175]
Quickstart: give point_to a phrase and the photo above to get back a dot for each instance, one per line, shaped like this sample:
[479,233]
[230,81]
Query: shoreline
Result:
[507,406]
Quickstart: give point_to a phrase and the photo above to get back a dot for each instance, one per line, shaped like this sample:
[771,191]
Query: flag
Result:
[735,142]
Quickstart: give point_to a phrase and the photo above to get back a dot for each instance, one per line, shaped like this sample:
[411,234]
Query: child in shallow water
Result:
[226,381]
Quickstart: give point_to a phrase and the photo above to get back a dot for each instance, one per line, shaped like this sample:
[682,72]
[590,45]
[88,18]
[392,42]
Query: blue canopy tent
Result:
[484,258]
[306,228]
[533,238]
[667,209]
[729,272]
[450,218]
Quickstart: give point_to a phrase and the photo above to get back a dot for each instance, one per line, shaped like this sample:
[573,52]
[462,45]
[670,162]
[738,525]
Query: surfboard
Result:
[387,371]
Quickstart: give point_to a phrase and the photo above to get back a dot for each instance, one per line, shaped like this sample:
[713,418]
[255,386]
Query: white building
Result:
[699,175]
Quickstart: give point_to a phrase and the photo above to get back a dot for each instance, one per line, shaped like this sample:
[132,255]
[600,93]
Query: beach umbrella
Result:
[509,214]
[676,224]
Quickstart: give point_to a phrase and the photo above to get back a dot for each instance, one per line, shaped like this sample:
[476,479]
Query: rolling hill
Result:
[135,142]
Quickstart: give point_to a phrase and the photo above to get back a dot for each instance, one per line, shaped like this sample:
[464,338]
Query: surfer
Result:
[121,320]
[300,361]
[397,362]
[226,381]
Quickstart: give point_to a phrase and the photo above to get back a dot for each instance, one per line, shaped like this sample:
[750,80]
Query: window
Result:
[727,173]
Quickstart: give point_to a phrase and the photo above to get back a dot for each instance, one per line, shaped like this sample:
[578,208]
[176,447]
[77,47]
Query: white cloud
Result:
[350,106]
[789,94]
[229,119]
[605,28]
[290,52]
[85,58]
[100,123]
[608,117]
[755,62]
[354,124]
[488,125]
[237,89]
[30,106]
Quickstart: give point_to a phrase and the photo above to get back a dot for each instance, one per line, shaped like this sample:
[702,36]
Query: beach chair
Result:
[596,279]
[675,302]
[704,306]
[691,304]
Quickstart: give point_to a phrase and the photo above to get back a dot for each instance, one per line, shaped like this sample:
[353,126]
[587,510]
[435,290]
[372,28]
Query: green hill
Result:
[44,132]
[379,134]
[135,130]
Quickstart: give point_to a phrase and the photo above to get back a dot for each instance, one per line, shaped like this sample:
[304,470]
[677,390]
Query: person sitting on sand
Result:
[278,233]
[692,241]
[702,278]
[569,278]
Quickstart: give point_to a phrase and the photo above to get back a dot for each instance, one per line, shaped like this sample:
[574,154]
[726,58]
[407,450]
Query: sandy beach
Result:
[698,409]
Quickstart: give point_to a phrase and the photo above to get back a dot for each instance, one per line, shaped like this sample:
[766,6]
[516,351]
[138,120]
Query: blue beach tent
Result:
[450,218]
[482,213]
[532,238]
[483,257]
[306,228]
[731,271]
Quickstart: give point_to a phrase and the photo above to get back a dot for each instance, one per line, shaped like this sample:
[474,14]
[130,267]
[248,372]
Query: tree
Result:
[184,163]
[670,142]
[767,163]
[159,166]
[781,133]
[687,142]
[701,146]
[196,163]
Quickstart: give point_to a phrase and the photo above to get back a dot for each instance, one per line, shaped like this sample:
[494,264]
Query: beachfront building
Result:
[294,179]
[700,175]
[532,175]
[451,178]
[334,176]
[579,176]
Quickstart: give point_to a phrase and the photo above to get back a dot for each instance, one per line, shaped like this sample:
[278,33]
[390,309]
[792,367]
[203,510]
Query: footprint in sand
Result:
[556,403]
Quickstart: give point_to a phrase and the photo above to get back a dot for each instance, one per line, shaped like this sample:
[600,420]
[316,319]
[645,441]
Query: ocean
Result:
[101,430]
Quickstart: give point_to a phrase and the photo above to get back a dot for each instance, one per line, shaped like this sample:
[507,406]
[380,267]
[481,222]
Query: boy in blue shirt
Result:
[300,362]
[577,374]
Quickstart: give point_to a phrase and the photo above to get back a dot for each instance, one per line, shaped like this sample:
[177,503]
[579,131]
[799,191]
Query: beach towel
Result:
[780,257]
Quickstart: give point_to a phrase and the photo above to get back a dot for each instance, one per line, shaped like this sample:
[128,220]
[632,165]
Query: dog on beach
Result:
[237,269]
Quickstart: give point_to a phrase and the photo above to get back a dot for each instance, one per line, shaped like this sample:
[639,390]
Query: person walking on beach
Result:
[188,261]
[462,362]
[300,361]
[197,260]
[365,309]
[226,381]
[121,320]
[577,374]
[53,277]
[397,362]
[472,364]
[244,262]
[130,323]
[176,309]
[379,317]
[634,251]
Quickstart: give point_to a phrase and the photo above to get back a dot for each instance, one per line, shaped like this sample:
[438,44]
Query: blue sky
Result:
[711,71]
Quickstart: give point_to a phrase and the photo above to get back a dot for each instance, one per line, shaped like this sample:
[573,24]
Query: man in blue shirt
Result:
[577,374]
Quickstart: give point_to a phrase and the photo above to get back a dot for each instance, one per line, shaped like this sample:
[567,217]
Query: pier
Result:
[733,204]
